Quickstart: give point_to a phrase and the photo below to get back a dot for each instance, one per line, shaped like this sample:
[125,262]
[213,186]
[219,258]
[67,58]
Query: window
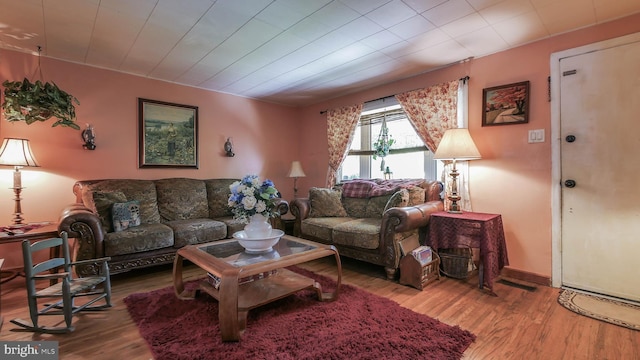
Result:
[408,157]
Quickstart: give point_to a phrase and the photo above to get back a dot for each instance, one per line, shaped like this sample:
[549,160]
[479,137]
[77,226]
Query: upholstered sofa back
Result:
[161,200]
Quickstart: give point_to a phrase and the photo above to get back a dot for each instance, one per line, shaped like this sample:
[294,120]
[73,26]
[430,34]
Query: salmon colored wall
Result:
[263,135]
[514,177]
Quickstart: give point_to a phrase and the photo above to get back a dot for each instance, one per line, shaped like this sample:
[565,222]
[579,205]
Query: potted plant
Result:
[31,102]
[383,144]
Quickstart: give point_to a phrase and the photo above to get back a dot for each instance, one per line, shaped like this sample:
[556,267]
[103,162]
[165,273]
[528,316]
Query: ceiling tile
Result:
[391,13]
[69,24]
[24,30]
[421,6]
[608,10]
[448,12]
[521,29]
[411,27]
[562,16]
[364,7]
[285,13]
[465,25]
[482,42]
[381,40]
[506,10]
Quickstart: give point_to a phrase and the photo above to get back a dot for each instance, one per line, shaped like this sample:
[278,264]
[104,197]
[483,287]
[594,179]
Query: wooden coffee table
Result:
[241,281]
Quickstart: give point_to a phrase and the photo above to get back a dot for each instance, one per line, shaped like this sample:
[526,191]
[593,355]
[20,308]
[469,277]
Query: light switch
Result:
[536,136]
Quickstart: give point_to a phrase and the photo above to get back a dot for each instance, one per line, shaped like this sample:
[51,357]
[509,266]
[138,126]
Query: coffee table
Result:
[241,281]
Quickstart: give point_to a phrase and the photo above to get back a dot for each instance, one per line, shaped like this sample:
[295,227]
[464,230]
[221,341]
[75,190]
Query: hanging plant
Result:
[31,102]
[383,144]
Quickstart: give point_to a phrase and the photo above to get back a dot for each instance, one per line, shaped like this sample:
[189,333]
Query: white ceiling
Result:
[294,52]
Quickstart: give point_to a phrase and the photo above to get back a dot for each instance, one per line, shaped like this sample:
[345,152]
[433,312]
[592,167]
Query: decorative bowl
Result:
[258,245]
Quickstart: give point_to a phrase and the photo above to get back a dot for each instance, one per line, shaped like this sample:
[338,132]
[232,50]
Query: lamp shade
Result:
[296,170]
[456,144]
[17,152]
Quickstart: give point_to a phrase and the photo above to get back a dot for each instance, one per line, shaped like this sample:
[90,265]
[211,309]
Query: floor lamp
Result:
[296,172]
[456,144]
[17,153]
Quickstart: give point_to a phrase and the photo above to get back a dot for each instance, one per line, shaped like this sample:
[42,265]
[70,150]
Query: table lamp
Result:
[17,153]
[456,144]
[296,172]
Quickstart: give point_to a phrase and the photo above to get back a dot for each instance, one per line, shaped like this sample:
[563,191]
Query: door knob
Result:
[570,138]
[570,183]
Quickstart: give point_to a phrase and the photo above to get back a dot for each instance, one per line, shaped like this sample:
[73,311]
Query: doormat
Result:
[601,308]
[358,325]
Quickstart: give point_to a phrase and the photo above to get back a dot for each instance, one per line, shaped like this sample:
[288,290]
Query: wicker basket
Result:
[454,263]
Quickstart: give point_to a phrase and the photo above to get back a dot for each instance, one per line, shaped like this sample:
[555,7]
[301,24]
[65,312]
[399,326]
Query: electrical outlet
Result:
[536,136]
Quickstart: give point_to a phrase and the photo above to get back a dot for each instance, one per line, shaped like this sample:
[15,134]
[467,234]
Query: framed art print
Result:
[506,104]
[168,134]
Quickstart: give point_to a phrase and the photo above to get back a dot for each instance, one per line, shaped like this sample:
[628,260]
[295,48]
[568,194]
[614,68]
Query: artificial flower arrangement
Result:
[250,196]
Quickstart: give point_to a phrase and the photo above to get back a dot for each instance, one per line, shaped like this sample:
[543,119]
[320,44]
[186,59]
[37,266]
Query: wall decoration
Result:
[168,134]
[506,104]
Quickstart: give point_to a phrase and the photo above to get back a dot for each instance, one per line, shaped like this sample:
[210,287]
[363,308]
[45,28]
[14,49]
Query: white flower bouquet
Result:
[250,196]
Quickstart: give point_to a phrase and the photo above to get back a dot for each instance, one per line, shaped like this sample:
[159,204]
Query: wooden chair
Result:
[66,289]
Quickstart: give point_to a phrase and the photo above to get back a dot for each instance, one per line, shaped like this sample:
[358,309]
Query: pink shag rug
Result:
[359,325]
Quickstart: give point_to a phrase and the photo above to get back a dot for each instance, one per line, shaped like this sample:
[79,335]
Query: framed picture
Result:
[506,104]
[168,134]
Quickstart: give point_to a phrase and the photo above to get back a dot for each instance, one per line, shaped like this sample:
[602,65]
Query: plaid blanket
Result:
[368,188]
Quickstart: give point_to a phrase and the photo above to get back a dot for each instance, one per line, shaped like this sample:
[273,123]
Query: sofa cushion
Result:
[416,195]
[218,197]
[138,239]
[399,199]
[142,190]
[181,199]
[321,228]
[358,233]
[326,203]
[125,215]
[376,205]
[355,207]
[196,231]
[233,225]
[103,203]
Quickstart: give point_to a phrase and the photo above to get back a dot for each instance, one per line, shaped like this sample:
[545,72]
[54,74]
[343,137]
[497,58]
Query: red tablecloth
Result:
[476,230]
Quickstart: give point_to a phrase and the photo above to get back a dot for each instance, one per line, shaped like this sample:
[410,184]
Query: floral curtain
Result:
[431,111]
[341,125]
[434,110]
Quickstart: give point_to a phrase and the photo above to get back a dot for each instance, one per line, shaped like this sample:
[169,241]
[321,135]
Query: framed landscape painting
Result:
[506,104]
[168,134]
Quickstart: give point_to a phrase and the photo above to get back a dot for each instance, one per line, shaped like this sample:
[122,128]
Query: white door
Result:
[600,153]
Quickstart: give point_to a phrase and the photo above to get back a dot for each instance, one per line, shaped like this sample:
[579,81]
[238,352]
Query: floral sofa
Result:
[368,219]
[154,219]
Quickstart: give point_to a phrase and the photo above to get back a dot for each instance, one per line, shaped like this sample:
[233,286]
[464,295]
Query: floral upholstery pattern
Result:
[218,195]
[138,239]
[321,228]
[181,199]
[103,202]
[361,233]
[196,231]
[399,199]
[355,207]
[142,190]
[326,203]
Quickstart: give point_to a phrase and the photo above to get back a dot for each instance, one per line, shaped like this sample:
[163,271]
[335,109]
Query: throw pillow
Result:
[125,215]
[399,199]
[326,203]
[103,202]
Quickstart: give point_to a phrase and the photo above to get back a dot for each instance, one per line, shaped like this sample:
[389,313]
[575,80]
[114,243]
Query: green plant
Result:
[31,102]
[383,144]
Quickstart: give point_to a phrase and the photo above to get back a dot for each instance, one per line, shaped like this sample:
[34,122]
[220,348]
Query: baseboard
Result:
[526,276]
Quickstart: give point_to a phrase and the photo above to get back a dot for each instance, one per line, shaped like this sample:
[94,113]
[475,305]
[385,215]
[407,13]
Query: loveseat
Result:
[142,223]
[368,219]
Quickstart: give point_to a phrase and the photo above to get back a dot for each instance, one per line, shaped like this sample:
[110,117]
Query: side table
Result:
[45,231]
[475,230]
[1,317]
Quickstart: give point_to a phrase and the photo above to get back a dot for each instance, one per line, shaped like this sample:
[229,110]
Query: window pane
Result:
[351,167]
[403,134]
[403,166]
[357,139]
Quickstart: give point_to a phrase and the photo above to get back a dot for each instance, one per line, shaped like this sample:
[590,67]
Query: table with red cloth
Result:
[475,230]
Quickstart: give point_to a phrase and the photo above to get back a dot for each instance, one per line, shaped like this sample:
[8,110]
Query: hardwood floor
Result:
[518,324]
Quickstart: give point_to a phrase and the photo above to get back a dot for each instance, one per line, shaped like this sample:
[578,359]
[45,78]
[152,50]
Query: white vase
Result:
[258,227]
